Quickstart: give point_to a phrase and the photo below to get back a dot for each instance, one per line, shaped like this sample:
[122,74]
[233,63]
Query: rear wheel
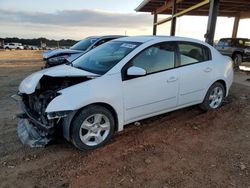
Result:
[214,97]
[237,58]
[92,128]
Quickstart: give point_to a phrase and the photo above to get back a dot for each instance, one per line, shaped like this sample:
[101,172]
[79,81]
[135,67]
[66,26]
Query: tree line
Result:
[39,41]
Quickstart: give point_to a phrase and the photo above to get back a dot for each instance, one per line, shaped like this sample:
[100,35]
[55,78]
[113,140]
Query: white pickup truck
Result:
[16,46]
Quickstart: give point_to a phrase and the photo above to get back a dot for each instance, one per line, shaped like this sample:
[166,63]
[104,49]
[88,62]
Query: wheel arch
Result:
[219,80]
[237,52]
[67,122]
[224,85]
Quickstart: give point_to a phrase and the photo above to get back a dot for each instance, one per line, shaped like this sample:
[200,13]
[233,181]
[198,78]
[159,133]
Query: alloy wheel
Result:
[94,130]
[216,97]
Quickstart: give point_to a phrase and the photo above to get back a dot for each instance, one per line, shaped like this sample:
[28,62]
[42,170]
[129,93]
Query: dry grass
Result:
[7,55]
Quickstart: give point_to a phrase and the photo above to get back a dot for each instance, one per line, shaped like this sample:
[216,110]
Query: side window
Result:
[156,58]
[241,43]
[247,43]
[228,43]
[193,53]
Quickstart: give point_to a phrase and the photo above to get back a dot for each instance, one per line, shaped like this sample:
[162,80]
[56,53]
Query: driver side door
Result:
[155,92]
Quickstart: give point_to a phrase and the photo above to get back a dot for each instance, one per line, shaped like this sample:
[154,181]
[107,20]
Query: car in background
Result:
[13,46]
[120,82]
[245,67]
[236,48]
[33,47]
[62,56]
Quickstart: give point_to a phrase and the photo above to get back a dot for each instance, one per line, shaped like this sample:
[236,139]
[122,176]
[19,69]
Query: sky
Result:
[77,19]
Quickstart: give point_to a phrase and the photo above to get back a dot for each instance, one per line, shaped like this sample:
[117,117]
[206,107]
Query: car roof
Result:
[107,36]
[147,38]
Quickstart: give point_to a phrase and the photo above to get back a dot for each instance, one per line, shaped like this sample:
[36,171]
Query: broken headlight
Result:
[59,59]
[59,114]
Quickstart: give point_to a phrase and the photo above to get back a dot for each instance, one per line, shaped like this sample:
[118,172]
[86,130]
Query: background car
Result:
[61,56]
[236,48]
[120,82]
[33,47]
[16,46]
[245,67]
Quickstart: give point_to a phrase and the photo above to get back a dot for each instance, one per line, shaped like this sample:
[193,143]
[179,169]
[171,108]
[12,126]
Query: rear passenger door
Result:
[195,66]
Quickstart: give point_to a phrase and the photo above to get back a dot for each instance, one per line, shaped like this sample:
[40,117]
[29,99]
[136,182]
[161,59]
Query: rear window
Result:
[84,44]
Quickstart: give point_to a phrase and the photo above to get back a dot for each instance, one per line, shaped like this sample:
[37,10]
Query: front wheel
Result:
[214,97]
[92,128]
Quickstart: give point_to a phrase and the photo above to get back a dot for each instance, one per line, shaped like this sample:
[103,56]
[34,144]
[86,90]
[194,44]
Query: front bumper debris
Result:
[29,134]
[30,131]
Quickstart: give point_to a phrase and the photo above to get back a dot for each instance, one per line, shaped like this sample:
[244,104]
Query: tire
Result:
[237,58]
[92,127]
[214,97]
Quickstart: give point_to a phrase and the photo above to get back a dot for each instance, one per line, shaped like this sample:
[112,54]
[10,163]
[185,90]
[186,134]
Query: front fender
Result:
[105,89]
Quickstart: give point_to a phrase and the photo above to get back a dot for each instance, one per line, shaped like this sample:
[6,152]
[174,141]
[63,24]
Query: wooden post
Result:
[212,18]
[173,22]
[236,26]
[154,24]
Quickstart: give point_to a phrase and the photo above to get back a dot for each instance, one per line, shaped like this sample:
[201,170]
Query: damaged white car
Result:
[120,82]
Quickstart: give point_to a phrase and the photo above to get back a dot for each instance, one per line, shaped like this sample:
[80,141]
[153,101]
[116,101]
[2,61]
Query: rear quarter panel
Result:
[223,69]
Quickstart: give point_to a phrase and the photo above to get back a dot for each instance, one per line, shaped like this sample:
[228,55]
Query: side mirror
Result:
[136,71]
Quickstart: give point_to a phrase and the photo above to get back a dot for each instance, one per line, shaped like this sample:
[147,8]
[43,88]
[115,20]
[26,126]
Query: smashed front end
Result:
[36,127]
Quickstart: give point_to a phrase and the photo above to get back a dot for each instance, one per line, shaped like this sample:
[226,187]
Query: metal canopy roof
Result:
[228,8]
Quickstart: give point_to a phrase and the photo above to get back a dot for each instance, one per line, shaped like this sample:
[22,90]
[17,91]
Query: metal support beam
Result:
[185,11]
[212,18]
[154,25]
[166,6]
[236,26]
[173,23]
[244,15]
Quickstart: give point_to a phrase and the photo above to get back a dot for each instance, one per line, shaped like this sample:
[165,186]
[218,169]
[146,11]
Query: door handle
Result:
[208,69]
[172,79]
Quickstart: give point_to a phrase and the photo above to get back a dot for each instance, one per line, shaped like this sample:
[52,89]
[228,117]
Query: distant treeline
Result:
[38,41]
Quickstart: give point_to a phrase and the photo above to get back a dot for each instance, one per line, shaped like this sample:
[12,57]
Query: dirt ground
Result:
[185,148]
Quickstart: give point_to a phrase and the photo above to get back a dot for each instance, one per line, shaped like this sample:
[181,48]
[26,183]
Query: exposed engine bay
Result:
[36,128]
[46,92]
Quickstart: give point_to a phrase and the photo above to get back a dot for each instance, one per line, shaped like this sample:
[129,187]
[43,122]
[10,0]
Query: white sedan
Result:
[120,82]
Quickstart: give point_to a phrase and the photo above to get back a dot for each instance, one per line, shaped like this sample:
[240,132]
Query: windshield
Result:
[84,44]
[101,59]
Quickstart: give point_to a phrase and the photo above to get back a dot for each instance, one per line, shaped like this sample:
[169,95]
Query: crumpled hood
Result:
[29,84]
[58,52]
